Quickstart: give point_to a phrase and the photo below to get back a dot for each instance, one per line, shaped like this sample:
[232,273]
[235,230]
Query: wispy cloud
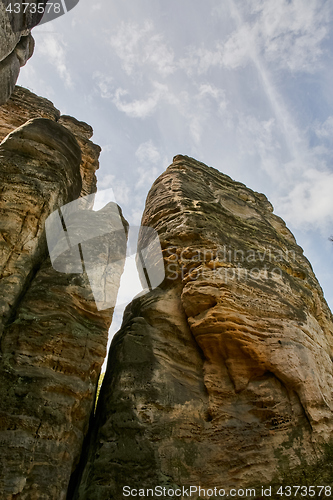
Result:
[243,85]
[139,108]
[197,106]
[258,138]
[55,49]
[325,130]
[104,84]
[139,46]
[271,37]
[148,153]
[209,91]
[288,33]
[311,201]
[146,177]
[106,182]
[118,188]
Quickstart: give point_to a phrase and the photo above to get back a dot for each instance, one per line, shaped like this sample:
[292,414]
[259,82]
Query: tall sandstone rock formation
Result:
[53,338]
[222,376]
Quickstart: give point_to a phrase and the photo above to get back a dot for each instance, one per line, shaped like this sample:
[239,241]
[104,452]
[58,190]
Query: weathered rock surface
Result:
[223,375]
[16,42]
[90,151]
[53,337]
[40,167]
[25,105]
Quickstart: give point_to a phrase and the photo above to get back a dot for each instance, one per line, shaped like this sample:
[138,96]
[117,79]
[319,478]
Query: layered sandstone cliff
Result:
[53,334]
[220,376]
[223,375]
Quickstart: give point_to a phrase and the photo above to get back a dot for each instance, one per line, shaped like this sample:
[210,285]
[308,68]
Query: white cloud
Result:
[310,202]
[112,189]
[122,192]
[325,130]
[200,59]
[140,108]
[146,177]
[148,153]
[106,182]
[139,46]
[31,81]
[237,49]
[136,216]
[104,84]
[288,33]
[107,148]
[207,90]
[257,136]
[197,107]
[301,187]
[231,53]
[55,50]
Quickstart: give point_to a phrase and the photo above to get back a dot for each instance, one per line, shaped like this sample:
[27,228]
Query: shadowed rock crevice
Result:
[141,384]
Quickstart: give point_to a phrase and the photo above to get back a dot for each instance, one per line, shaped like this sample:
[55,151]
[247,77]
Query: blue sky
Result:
[243,85]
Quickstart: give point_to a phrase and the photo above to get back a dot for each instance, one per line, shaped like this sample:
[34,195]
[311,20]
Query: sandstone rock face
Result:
[53,335]
[223,375]
[77,148]
[24,105]
[40,167]
[16,42]
[90,152]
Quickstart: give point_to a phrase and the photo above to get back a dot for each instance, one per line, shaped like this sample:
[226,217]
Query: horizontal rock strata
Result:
[25,105]
[40,167]
[53,334]
[223,374]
